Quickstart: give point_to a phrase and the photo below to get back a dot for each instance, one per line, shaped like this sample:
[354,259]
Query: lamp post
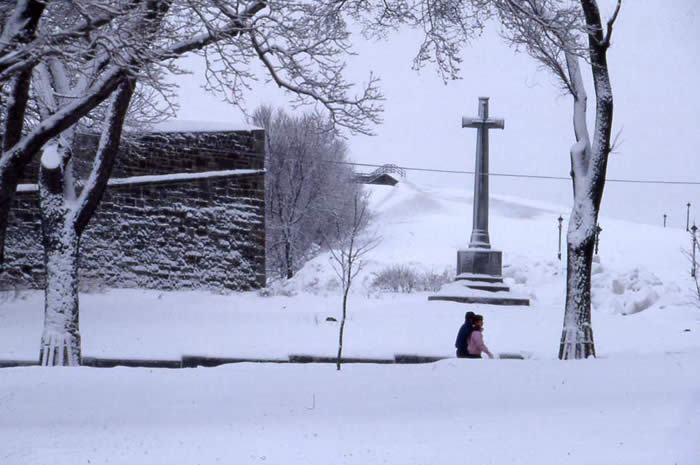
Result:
[560,220]
[598,229]
[687,218]
[693,230]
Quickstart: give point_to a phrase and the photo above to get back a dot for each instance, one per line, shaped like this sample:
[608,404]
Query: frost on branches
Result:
[62,61]
[105,43]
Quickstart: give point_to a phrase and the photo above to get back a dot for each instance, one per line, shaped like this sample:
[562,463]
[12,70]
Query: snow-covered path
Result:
[167,325]
[642,410]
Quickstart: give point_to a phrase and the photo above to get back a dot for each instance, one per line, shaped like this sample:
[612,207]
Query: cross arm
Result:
[489,123]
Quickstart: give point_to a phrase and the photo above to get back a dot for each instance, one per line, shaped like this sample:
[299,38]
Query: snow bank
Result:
[630,292]
[641,411]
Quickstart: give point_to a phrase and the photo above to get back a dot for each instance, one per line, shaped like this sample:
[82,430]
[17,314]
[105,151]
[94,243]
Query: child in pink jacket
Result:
[476,344]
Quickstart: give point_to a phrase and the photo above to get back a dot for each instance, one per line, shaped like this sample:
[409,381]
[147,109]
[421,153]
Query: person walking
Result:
[476,344]
[463,335]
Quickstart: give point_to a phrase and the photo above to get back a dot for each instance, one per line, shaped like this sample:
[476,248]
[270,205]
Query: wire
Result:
[504,175]
[516,175]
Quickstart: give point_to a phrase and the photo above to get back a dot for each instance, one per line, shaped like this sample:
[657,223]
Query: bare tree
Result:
[304,172]
[64,218]
[551,30]
[447,26]
[349,243]
[64,214]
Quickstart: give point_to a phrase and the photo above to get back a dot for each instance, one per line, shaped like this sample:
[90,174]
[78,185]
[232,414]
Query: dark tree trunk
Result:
[9,178]
[16,109]
[28,14]
[589,165]
[342,327]
[577,334]
[289,271]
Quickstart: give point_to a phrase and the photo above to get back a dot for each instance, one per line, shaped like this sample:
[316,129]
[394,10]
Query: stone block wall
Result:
[160,153]
[163,231]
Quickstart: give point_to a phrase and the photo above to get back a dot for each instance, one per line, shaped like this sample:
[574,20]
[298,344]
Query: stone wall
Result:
[162,232]
[180,152]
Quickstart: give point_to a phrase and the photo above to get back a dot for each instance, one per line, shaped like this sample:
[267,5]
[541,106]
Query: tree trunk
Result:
[60,341]
[577,333]
[588,168]
[27,14]
[288,258]
[12,132]
[8,184]
[342,326]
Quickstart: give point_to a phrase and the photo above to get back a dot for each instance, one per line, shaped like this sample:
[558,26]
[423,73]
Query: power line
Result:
[516,175]
[504,175]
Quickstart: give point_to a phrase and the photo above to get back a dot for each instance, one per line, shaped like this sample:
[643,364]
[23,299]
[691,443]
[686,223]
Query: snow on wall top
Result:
[182,176]
[172,126]
[161,178]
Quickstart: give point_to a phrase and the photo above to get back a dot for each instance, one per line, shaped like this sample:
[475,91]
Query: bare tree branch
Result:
[611,22]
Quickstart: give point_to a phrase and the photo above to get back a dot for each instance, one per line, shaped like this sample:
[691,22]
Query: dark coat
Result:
[463,337]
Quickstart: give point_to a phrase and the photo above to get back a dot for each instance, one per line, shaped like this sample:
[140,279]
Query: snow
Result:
[182,176]
[637,403]
[27,188]
[499,412]
[161,178]
[201,126]
[51,158]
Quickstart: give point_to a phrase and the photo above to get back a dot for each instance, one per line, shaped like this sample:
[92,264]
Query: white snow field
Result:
[637,403]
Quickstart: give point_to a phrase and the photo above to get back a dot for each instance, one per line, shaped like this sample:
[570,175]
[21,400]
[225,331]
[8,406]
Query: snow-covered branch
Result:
[353,113]
[104,158]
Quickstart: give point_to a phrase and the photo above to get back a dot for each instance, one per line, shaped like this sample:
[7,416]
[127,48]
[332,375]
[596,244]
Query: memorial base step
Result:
[479,277]
[487,286]
[470,291]
[486,300]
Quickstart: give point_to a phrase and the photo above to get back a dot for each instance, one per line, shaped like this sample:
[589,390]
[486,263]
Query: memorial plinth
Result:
[479,267]
[480,261]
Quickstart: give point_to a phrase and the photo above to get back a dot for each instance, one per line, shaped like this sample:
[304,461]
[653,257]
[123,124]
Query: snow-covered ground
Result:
[638,403]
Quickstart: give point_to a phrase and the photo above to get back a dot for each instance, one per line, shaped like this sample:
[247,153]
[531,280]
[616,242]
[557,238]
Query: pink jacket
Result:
[476,345]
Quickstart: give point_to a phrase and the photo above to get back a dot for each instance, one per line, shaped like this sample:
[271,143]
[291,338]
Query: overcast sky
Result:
[655,72]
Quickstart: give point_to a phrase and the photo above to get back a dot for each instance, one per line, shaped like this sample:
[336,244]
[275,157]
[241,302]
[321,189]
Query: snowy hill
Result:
[640,266]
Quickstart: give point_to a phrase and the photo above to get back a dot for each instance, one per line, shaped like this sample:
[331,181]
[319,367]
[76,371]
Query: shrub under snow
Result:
[403,278]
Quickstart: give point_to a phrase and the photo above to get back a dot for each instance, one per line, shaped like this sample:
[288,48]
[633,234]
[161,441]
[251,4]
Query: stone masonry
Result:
[157,230]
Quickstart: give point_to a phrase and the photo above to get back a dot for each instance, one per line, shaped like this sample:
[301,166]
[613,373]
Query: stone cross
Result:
[479,267]
[480,219]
